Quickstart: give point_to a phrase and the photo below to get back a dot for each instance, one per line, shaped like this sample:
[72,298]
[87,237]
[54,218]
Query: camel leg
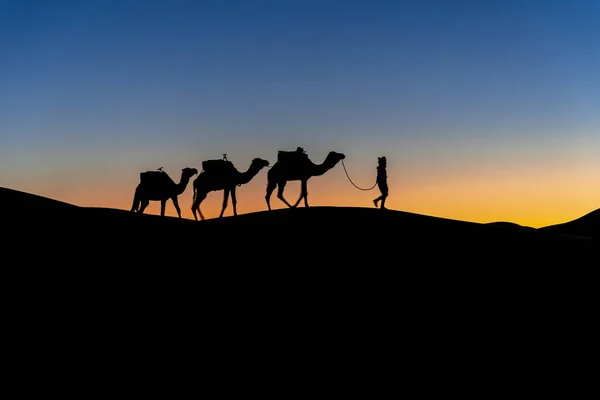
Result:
[270,187]
[176,204]
[281,187]
[303,194]
[234,201]
[225,199]
[196,205]
[136,201]
[163,205]
[143,205]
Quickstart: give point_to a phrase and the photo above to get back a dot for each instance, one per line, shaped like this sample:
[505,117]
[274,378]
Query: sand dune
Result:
[389,276]
[284,237]
[585,226]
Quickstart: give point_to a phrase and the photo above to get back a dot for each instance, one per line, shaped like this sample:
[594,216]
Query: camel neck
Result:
[246,176]
[320,169]
[182,184]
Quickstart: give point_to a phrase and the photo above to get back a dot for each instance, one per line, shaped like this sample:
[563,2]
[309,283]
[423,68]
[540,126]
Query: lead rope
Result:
[359,188]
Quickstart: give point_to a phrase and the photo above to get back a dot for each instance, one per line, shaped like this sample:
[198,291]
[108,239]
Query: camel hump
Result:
[217,165]
[284,156]
[155,178]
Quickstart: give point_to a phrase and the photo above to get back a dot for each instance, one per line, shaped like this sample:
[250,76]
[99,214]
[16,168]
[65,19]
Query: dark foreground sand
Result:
[353,286]
[355,249]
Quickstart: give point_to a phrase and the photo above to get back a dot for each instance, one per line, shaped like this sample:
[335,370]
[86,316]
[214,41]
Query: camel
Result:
[301,169]
[158,186]
[226,179]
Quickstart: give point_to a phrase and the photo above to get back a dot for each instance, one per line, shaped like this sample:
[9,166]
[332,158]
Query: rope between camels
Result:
[359,188]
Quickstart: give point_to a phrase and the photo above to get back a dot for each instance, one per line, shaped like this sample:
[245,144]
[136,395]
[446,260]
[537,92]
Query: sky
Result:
[486,110]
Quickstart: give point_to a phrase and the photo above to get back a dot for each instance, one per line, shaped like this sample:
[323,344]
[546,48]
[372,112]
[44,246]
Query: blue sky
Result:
[125,85]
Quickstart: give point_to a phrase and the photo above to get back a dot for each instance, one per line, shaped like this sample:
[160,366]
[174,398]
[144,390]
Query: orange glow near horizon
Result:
[527,186]
[528,197]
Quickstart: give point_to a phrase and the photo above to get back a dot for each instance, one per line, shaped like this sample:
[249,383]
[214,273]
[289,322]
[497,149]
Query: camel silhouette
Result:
[158,186]
[225,178]
[301,169]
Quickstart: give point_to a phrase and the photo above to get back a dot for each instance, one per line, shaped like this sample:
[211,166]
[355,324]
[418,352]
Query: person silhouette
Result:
[381,181]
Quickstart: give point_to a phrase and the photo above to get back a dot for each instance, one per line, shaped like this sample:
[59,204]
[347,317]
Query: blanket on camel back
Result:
[217,165]
[297,155]
[158,177]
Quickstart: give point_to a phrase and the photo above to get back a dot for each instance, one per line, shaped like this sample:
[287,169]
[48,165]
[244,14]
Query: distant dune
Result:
[21,201]
[509,225]
[586,226]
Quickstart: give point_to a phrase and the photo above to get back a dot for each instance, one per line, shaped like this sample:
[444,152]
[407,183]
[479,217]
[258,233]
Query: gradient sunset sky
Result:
[486,110]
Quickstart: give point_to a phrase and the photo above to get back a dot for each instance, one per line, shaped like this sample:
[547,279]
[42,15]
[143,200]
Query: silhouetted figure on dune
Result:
[296,166]
[158,186]
[222,175]
[382,181]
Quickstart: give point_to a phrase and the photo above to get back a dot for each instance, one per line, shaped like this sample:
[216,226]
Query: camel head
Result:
[335,157]
[188,172]
[260,163]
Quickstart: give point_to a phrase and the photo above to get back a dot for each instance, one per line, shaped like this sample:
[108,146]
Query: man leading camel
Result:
[382,181]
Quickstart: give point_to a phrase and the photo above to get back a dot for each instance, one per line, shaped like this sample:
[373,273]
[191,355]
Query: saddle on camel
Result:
[221,165]
[155,177]
[295,156]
